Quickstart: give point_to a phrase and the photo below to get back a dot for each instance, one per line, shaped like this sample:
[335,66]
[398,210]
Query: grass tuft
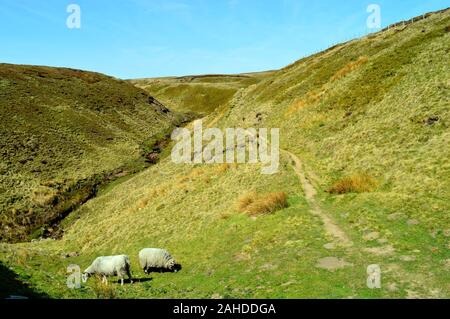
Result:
[255,204]
[357,183]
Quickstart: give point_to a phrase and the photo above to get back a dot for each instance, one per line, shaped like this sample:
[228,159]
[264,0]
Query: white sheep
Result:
[109,266]
[157,259]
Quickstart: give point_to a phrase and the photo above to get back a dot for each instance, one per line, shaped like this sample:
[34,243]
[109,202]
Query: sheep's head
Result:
[171,265]
[85,276]
[175,267]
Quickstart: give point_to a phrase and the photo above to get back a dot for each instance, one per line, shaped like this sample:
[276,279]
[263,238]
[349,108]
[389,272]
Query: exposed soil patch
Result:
[332,263]
[380,251]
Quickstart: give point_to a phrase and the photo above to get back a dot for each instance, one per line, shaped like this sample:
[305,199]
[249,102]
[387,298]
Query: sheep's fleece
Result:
[155,258]
[110,266]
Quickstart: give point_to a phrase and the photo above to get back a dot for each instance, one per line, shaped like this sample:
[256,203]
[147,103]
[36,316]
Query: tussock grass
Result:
[255,204]
[357,183]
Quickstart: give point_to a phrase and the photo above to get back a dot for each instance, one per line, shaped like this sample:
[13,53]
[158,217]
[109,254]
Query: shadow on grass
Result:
[175,269]
[11,286]
[139,280]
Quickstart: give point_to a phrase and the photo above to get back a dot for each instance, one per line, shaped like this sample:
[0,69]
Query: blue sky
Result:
[149,38]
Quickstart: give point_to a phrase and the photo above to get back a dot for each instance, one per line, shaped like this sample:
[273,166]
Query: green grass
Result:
[199,94]
[386,115]
[62,131]
[389,118]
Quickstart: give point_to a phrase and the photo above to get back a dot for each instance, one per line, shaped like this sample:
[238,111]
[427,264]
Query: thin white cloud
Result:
[164,6]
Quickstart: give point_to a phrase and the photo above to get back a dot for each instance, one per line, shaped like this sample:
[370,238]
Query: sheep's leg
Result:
[121,281]
[105,280]
[129,275]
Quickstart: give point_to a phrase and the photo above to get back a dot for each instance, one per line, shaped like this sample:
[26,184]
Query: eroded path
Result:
[331,227]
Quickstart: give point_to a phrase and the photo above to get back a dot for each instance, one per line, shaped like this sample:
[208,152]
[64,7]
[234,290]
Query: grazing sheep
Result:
[157,259]
[109,266]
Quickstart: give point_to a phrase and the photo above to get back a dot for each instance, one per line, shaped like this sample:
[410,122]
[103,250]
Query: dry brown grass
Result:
[357,183]
[222,168]
[255,204]
[296,106]
[143,203]
[196,172]
[349,68]
[158,192]
[299,104]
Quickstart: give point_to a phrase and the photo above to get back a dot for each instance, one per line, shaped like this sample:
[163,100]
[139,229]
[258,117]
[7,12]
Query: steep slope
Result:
[367,119]
[378,105]
[370,120]
[199,94]
[62,131]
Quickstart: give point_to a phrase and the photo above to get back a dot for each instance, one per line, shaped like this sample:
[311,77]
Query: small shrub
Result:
[358,183]
[255,204]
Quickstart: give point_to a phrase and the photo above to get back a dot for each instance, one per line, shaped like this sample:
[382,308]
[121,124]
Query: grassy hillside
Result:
[199,94]
[365,139]
[370,120]
[63,131]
